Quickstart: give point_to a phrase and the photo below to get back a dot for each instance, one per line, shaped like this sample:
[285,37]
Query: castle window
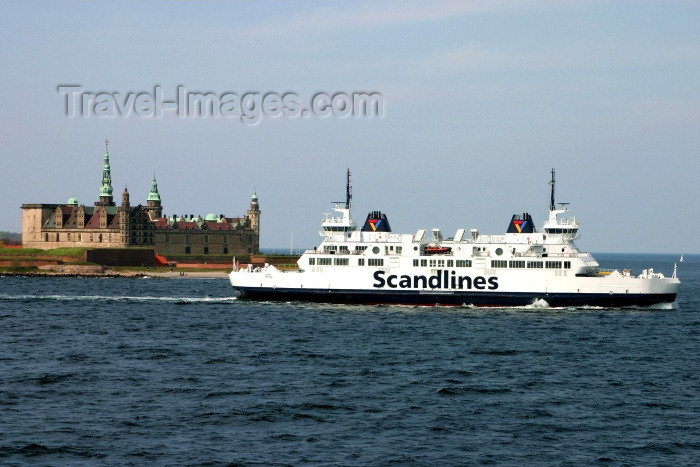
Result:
[187,250]
[226,239]
[206,250]
[68,236]
[92,239]
[225,250]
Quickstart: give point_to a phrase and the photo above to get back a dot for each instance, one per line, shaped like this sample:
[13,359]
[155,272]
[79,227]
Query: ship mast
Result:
[348,194]
[551,202]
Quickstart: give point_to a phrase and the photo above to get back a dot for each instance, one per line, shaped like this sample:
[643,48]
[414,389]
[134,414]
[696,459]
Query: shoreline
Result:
[111,273]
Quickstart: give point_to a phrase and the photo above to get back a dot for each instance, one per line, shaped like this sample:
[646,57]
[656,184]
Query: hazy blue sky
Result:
[481,100]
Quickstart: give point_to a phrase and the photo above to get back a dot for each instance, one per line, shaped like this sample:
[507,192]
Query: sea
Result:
[105,371]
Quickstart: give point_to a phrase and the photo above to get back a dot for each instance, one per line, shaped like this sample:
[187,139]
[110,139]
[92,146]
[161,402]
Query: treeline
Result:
[10,238]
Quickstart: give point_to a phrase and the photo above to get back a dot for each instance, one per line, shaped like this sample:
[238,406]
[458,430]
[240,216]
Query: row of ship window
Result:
[521,264]
[345,261]
[449,263]
[344,250]
[433,263]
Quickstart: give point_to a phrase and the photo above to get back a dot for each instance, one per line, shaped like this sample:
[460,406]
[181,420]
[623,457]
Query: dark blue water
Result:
[175,371]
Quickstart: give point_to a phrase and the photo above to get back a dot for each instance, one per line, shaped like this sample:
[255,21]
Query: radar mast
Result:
[551,202]
[348,193]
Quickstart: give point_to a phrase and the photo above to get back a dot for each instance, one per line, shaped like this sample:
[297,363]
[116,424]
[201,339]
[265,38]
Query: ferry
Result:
[525,266]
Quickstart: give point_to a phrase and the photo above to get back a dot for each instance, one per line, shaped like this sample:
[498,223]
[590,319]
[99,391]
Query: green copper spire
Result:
[153,195]
[255,195]
[106,189]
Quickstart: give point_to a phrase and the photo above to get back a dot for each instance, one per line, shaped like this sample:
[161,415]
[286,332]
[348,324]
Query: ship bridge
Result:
[332,225]
[566,227]
[339,227]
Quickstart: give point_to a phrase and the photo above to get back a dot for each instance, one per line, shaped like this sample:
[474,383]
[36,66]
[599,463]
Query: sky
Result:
[479,101]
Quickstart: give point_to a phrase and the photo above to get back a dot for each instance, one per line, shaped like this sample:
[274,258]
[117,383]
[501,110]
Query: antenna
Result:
[348,193]
[551,202]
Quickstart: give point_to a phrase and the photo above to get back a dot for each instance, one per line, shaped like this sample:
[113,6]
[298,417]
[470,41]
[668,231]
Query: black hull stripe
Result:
[428,298]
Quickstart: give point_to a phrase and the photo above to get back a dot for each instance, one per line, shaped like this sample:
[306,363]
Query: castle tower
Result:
[254,213]
[125,198]
[153,206]
[106,189]
[125,218]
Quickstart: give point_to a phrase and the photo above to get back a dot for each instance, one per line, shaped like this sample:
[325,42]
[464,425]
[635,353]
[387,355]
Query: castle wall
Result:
[203,242]
[63,238]
[33,218]
[122,257]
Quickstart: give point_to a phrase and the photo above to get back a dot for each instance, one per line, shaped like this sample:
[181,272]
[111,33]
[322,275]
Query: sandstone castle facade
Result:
[108,225]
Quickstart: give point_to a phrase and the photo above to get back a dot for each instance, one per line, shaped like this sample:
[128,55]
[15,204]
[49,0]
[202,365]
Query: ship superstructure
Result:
[373,265]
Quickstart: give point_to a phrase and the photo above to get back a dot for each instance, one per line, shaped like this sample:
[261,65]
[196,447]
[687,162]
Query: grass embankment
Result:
[166,269]
[29,253]
[18,269]
[78,252]
[4,251]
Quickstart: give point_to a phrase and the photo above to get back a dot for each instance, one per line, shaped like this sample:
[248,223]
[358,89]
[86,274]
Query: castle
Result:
[106,225]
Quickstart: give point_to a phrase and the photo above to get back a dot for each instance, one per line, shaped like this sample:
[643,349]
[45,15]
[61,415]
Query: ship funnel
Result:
[521,224]
[376,222]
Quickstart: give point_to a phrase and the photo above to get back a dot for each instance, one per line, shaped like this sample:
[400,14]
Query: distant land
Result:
[10,238]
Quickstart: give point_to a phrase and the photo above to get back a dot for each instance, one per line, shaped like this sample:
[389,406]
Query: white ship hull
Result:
[372,265]
[613,290]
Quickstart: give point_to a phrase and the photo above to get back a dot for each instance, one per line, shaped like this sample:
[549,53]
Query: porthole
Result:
[499,251]
[375,250]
